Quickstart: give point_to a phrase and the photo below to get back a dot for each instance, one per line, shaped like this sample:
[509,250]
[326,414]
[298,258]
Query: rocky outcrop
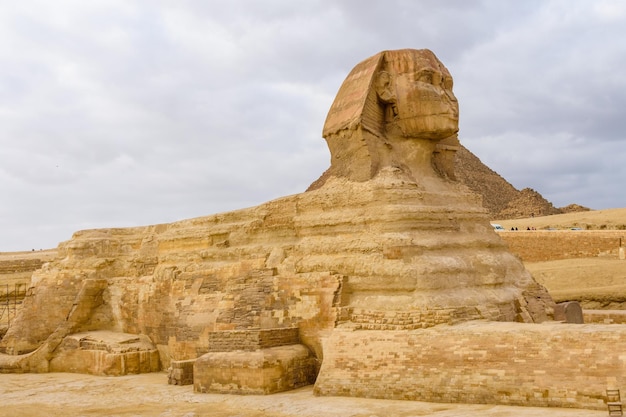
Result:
[105,353]
[16,269]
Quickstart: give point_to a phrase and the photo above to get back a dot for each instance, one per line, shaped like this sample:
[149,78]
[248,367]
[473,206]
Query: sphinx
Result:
[386,241]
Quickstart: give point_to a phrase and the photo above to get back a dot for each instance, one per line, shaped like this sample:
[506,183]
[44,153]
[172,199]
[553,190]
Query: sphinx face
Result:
[425,104]
[385,100]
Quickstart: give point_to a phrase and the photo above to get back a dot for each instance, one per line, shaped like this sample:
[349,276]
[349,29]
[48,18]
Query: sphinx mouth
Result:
[454,115]
[449,115]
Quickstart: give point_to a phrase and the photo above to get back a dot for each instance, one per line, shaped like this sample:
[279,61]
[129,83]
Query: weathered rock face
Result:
[16,269]
[386,240]
[105,353]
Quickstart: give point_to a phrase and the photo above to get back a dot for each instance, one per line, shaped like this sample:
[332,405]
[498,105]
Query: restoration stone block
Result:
[105,353]
[264,371]
[546,365]
[181,372]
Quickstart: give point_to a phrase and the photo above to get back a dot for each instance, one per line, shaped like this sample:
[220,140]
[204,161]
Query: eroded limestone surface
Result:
[385,240]
[105,353]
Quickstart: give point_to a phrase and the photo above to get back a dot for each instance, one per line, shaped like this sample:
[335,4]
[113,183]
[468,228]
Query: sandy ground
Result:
[598,283]
[64,394]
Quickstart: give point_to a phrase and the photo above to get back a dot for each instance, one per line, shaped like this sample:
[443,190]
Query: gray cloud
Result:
[130,113]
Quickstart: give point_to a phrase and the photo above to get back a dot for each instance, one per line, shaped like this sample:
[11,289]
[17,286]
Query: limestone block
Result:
[181,372]
[264,371]
[547,365]
[105,353]
[569,312]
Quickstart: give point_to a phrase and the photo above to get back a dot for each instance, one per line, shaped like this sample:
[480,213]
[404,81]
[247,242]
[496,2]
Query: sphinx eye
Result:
[425,77]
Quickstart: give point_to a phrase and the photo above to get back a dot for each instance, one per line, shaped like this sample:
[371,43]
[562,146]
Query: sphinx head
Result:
[425,106]
[387,99]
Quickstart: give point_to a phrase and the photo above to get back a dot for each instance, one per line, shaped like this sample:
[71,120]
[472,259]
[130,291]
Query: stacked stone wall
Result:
[548,245]
[278,337]
[413,319]
[16,269]
[557,365]
[19,265]
[605,316]
[251,340]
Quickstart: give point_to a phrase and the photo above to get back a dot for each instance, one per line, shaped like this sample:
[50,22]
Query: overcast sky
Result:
[125,113]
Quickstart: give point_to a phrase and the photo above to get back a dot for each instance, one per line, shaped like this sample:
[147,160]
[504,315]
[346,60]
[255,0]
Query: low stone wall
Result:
[605,316]
[413,319]
[553,364]
[548,245]
[250,340]
[17,267]
[180,372]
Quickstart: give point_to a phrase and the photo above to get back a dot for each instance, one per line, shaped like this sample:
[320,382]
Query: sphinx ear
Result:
[353,106]
[386,93]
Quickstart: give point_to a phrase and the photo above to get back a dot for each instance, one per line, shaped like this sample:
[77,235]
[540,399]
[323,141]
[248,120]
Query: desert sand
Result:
[64,394]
